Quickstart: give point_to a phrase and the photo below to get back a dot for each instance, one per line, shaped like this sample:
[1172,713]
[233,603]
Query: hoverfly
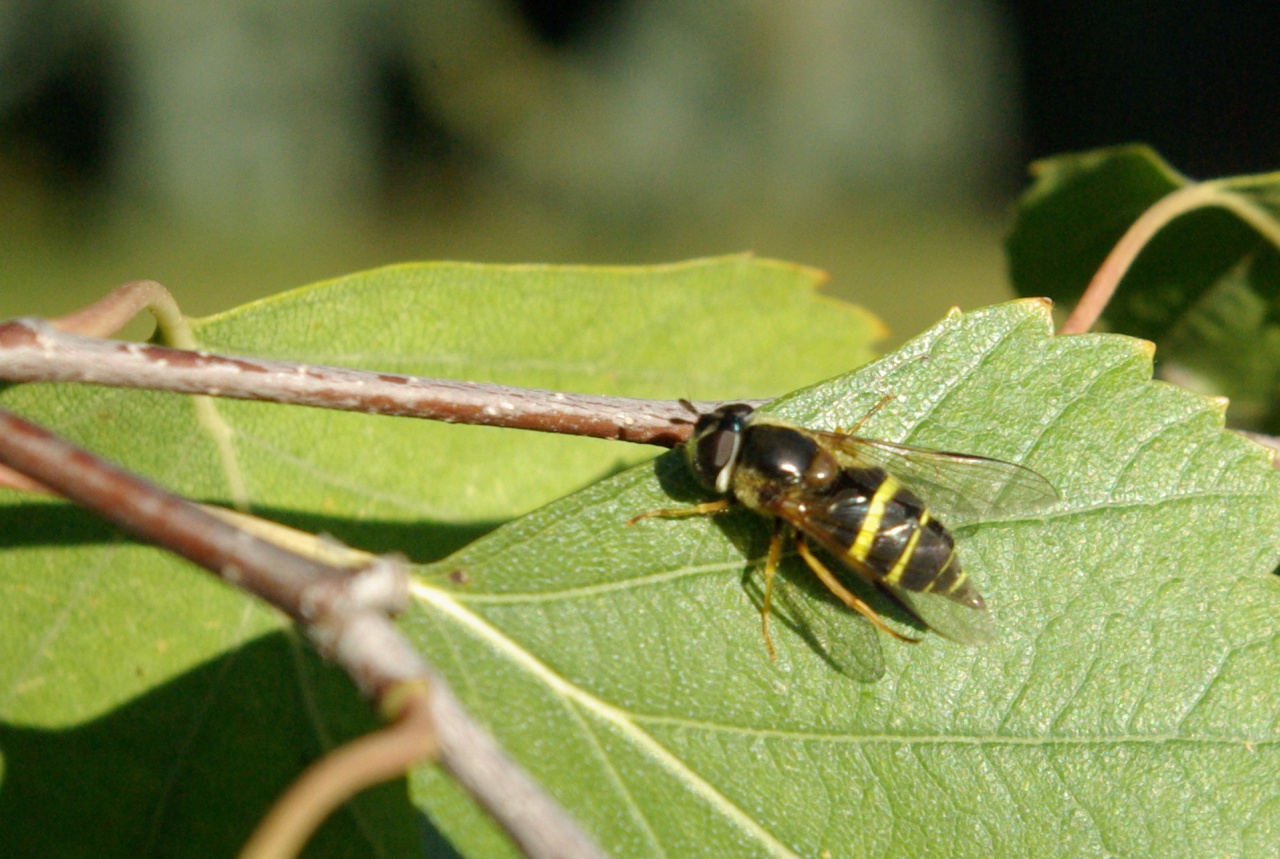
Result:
[856,500]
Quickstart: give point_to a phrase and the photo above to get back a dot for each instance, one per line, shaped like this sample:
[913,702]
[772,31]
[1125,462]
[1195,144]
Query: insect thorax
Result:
[775,460]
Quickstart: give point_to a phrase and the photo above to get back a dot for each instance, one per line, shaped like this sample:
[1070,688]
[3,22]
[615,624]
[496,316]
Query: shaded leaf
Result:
[103,639]
[1206,288]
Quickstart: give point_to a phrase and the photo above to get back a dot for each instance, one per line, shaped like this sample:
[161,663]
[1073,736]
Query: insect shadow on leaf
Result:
[853,500]
[840,638]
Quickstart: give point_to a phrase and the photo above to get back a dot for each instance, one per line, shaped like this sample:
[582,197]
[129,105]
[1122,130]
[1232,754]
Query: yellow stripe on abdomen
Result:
[907,551]
[866,538]
[960,580]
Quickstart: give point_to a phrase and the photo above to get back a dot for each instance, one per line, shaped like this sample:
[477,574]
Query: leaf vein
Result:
[619,718]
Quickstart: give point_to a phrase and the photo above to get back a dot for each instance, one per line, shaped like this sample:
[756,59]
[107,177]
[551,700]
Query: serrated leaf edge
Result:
[816,277]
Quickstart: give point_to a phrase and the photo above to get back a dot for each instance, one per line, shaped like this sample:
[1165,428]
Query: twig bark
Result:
[31,350]
[345,614]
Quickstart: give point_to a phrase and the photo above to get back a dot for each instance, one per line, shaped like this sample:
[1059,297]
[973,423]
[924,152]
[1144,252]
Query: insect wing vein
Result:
[958,488]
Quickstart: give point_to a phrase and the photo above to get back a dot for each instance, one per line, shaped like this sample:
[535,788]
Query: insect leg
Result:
[706,508]
[770,568]
[844,594]
[880,404]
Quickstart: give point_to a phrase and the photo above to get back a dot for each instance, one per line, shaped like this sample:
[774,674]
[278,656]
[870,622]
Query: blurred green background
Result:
[236,149]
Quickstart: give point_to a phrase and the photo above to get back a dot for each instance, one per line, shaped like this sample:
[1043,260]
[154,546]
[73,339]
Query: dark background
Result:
[1198,81]
[749,149]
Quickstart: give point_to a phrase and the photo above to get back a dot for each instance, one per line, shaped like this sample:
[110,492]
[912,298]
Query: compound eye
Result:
[716,450]
[714,447]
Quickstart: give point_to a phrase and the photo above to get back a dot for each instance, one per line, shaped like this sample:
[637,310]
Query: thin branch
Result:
[332,780]
[114,310]
[1106,280]
[31,350]
[345,614]
[146,511]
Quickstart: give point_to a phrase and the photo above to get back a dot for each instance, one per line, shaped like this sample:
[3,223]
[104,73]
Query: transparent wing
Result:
[953,620]
[957,621]
[836,634]
[958,488]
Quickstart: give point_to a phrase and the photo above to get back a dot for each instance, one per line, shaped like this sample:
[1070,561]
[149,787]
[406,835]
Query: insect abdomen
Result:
[896,538]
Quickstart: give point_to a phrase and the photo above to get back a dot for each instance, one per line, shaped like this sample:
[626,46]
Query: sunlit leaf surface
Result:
[1127,707]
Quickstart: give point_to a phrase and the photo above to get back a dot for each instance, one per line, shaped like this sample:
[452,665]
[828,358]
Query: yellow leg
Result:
[880,404]
[770,567]
[706,508]
[844,594]
[710,508]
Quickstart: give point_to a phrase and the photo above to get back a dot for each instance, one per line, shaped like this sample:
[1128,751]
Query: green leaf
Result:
[1127,708]
[1077,208]
[1205,289]
[145,707]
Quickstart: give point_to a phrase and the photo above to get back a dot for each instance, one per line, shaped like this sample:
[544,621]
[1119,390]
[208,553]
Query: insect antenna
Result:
[691,408]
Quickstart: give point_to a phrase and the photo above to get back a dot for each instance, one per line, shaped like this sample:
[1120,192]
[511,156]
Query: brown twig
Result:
[305,589]
[33,351]
[355,632]
[112,312]
[345,614]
